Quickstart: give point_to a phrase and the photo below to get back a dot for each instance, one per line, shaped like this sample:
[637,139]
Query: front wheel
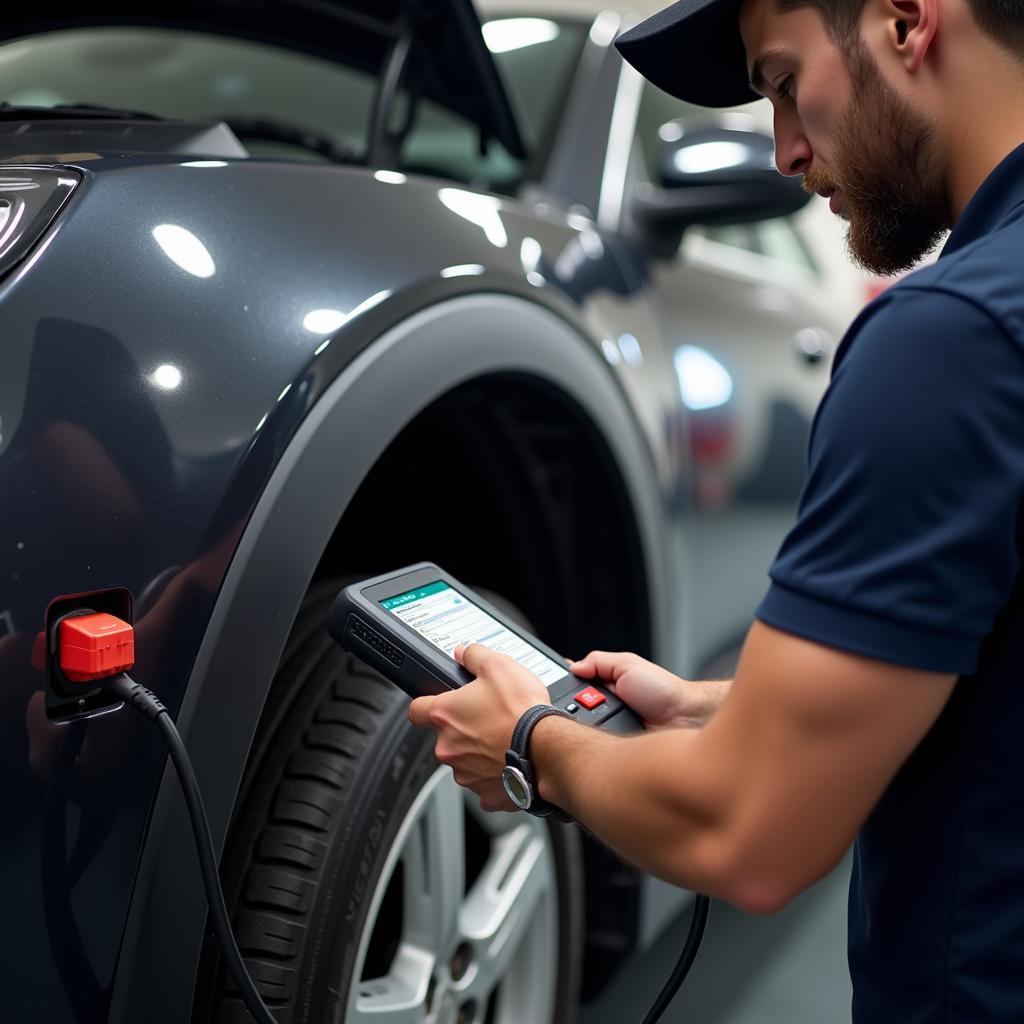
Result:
[365,886]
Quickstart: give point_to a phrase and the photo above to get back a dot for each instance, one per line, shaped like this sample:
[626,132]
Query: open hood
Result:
[448,61]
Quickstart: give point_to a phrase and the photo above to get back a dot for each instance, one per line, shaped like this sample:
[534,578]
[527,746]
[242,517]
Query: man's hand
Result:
[474,724]
[661,699]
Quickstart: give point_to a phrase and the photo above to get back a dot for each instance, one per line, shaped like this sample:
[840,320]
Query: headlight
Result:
[30,198]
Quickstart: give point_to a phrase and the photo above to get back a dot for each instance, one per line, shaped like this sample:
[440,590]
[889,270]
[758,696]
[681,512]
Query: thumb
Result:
[584,668]
[605,665]
[419,711]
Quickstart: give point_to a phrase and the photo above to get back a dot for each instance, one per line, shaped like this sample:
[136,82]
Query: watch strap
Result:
[527,720]
[517,757]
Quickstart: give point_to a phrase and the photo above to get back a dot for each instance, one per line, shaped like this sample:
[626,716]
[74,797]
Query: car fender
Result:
[359,413]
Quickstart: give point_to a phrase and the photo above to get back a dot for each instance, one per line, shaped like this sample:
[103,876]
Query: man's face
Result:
[851,135]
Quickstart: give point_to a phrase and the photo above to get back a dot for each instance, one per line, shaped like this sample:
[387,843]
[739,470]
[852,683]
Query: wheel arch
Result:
[412,365]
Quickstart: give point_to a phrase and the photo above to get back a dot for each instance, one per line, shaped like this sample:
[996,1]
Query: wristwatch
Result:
[518,775]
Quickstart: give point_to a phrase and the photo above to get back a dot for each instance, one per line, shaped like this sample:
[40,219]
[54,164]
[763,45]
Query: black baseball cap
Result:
[693,50]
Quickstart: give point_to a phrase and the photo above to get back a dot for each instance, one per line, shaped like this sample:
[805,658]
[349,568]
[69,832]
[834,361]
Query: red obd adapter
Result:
[94,646]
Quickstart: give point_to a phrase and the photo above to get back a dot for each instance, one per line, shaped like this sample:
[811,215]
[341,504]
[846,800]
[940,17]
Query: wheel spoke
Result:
[434,861]
[400,998]
[505,929]
[504,901]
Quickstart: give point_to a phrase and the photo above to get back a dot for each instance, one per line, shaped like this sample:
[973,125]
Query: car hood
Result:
[451,62]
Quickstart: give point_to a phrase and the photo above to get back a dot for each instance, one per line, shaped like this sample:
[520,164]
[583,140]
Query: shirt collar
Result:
[998,194]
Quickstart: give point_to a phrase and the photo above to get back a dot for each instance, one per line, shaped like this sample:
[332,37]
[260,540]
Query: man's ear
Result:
[911,26]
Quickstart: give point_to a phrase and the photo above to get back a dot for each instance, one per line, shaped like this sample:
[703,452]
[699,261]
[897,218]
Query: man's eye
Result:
[785,87]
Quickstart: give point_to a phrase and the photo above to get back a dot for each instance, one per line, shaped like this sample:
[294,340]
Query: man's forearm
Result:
[647,797]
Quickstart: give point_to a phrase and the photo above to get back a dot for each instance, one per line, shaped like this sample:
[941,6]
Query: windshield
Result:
[205,77]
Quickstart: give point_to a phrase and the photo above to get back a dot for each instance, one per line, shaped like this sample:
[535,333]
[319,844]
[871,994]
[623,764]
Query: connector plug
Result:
[142,700]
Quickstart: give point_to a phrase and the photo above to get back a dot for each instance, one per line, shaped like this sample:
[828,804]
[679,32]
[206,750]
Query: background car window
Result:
[776,239]
[191,75]
[779,240]
[740,236]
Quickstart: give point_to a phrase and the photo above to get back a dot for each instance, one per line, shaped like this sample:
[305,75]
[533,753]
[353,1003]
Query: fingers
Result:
[420,710]
[585,668]
[603,664]
[476,657]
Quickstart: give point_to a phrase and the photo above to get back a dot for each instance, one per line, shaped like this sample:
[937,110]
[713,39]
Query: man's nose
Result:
[792,150]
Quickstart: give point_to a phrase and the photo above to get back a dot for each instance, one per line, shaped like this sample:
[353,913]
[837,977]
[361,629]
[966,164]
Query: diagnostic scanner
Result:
[406,624]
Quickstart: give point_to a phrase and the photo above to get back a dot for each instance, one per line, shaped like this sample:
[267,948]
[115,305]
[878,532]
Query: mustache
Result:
[818,180]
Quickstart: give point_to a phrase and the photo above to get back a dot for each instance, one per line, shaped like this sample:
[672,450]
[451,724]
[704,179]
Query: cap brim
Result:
[693,50]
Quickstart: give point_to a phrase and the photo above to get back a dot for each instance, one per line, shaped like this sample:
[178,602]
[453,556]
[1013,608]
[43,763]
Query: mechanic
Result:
[880,693]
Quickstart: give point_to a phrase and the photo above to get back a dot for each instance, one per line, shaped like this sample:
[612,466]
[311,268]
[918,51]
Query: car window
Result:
[189,75]
[779,240]
[739,236]
[192,75]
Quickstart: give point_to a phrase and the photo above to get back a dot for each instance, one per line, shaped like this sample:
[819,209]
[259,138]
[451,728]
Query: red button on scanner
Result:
[590,698]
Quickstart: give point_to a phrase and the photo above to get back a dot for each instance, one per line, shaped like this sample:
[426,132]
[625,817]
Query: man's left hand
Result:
[474,723]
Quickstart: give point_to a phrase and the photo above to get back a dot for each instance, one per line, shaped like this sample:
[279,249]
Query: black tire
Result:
[334,769]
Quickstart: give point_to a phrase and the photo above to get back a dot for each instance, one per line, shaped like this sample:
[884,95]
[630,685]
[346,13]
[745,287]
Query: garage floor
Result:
[789,968]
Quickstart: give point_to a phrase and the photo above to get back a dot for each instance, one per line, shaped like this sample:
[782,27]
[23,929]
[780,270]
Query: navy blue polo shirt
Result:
[907,549]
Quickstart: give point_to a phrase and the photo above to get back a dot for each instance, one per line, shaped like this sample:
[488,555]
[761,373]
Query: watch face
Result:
[518,789]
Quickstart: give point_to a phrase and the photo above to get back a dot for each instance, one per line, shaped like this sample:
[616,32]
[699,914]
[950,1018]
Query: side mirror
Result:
[716,172]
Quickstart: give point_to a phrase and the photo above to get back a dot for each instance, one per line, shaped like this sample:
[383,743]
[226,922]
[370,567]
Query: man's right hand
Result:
[661,699]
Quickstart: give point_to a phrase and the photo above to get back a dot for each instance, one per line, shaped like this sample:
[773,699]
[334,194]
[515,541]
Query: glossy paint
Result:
[164,343]
[158,354]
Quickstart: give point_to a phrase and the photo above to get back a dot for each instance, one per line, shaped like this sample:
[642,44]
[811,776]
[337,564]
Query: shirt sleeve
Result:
[906,545]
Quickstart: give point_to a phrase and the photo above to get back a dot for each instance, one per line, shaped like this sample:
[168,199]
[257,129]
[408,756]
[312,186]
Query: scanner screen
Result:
[446,618]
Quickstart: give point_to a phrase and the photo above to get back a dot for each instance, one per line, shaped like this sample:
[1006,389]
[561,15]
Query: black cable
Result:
[699,921]
[146,703]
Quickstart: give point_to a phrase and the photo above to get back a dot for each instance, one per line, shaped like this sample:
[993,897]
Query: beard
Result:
[887,172]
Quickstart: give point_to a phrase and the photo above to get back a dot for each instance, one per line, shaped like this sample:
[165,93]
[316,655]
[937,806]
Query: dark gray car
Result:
[302,290]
